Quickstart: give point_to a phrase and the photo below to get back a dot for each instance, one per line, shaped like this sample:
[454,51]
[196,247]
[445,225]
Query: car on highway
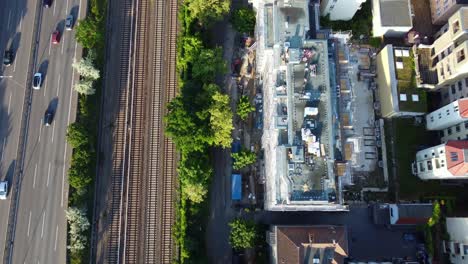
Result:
[69,22]
[47,3]
[37,81]
[3,190]
[48,117]
[8,57]
[56,37]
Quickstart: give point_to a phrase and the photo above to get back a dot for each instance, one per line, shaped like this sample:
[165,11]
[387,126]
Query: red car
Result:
[56,37]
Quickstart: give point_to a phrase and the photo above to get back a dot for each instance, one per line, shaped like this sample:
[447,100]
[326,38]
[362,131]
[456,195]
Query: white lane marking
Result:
[66,10]
[48,176]
[40,130]
[63,174]
[50,40]
[45,86]
[68,123]
[54,7]
[63,42]
[3,148]
[53,132]
[79,10]
[9,17]
[16,59]
[21,21]
[34,179]
[43,222]
[56,235]
[29,222]
[58,84]
[9,103]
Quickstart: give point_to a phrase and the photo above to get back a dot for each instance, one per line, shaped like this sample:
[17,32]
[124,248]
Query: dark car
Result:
[47,3]
[56,37]
[48,117]
[69,22]
[8,58]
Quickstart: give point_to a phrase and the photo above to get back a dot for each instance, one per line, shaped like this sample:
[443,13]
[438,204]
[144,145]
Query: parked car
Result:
[8,58]
[3,190]
[48,117]
[56,37]
[47,3]
[37,81]
[409,237]
[69,22]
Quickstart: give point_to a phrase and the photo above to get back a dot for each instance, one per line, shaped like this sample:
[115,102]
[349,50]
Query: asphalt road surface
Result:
[40,235]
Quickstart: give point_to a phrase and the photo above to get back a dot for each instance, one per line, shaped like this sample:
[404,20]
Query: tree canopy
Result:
[243,159]
[221,120]
[208,64]
[243,234]
[88,33]
[244,107]
[243,20]
[77,135]
[208,11]
[78,224]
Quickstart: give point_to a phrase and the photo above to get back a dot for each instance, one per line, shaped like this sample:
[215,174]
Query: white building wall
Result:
[340,9]
[456,132]
[455,90]
[457,227]
[431,163]
[444,117]
[379,30]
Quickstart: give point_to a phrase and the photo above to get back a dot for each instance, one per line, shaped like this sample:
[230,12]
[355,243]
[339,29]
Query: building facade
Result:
[340,9]
[441,10]
[391,18]
[447,161]
[447,116]
[457,246]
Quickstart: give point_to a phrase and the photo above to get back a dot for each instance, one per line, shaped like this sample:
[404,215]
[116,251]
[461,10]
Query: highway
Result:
[40,233]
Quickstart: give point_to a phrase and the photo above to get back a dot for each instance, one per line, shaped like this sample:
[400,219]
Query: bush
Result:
[243,20]
[78,224]
[78,135]
[244,107]
[243,234]
[243,159]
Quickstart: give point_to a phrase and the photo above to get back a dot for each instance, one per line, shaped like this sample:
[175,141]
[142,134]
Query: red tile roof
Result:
[463,107]
[455,157]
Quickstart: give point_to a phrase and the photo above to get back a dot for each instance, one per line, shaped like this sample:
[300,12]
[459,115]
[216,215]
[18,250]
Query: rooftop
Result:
[311,244]
[395,13]
[410,98]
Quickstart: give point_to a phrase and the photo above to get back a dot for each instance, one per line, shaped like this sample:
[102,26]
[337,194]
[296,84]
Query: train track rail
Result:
[144,160]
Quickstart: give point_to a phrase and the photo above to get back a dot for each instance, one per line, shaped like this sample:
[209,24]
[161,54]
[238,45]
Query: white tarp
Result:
[310,111]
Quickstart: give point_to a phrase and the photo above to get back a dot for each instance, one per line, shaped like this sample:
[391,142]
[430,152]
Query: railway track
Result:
[144,160]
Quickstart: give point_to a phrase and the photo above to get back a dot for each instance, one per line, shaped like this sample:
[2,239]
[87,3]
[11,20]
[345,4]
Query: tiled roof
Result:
[301,244]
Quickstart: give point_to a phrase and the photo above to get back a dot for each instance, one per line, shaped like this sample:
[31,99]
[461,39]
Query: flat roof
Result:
[395,13]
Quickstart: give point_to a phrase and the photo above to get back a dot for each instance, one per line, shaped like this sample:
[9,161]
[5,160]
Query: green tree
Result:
[89,33]
[243,158]
[243,20]
[191,47]
[194,173]
[181,127]
[435,218]
[244,107]
[85,86]
[85,67]
[208,11]
[243,234]
[80,173]
[77,135]
[208,64]
[78,224]
[221,120]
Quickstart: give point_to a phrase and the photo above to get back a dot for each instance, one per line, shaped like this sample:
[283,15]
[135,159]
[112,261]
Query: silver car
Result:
[37,81]
[3,190]
[69,22]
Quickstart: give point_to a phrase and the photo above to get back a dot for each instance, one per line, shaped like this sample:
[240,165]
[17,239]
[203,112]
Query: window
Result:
[449,131]
[440,115]
[458,138]
[453,156]
[466,124]
[457,128]
[432,118]
[453,88]
[446,95]
[460,86]
[455,27]
[460,55]
[466,82]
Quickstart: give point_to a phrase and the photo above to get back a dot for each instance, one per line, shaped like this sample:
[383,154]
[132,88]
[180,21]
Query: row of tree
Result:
[81,135]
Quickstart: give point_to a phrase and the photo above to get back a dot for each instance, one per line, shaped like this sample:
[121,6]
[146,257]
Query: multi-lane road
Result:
[26,28]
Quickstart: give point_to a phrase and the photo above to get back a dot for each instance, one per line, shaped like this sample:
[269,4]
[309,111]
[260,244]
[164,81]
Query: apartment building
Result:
[391,18]
[447,161]
[441,10]
[340,9]
[451,120]
[398,94]
[457,246]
